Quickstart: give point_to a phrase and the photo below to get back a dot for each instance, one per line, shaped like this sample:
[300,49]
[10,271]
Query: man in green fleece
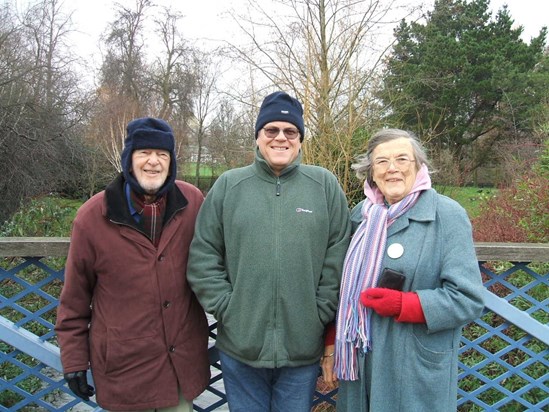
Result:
[266,261]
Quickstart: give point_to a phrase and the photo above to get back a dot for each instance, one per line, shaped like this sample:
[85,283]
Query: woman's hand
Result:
[386,302]
[327,363]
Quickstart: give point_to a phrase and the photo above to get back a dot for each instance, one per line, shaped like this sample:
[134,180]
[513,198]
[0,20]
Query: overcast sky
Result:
[531,14]
[207,22]
[203,19]
[207,19]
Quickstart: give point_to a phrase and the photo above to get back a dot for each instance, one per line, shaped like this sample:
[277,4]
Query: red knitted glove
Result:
[386,302]
[411,311]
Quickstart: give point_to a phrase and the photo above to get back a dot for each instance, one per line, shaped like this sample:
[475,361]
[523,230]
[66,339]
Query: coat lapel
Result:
[423,211]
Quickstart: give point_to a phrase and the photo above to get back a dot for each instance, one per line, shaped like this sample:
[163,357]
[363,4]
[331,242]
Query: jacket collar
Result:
[117,209]
[265,171]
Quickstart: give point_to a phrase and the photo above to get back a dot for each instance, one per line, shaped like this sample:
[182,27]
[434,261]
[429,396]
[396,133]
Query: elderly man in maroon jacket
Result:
[126,310]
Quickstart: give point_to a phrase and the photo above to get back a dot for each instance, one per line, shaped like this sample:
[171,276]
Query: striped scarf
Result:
[151,215]
[361,270]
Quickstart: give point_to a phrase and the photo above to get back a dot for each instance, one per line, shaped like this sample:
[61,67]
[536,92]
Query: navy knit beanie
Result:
[281,107]
[148,133]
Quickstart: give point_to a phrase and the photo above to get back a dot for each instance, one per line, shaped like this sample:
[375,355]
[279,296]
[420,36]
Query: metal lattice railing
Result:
[504,357]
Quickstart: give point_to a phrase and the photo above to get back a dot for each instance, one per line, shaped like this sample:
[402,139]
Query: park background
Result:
[461,76]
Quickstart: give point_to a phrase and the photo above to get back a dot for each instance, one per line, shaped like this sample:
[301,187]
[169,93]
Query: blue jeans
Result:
[264,389]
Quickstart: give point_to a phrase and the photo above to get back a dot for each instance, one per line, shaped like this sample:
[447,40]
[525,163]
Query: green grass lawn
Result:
[48,216]
[471,198]
[189,169]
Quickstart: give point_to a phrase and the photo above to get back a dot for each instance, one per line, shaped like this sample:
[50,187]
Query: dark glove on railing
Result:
[78,384]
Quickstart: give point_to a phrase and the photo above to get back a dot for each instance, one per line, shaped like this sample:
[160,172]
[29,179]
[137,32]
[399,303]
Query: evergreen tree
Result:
[463,81]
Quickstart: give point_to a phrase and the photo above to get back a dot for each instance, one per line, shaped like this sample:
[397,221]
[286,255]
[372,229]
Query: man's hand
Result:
[78,384]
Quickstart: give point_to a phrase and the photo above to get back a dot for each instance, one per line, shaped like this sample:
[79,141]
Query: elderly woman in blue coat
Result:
[410,282]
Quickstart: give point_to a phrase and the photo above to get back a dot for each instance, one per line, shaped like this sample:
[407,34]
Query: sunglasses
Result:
[289,132]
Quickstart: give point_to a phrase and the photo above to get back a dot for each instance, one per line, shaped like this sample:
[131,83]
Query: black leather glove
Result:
[78,384]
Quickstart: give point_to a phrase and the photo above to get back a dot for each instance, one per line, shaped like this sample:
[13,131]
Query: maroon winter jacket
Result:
[147,333]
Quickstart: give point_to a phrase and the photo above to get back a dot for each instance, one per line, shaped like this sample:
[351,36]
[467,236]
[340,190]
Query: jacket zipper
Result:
[276,279]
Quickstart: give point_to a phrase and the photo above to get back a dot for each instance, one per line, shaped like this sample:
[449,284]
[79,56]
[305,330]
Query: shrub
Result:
[44,216]
[518,213]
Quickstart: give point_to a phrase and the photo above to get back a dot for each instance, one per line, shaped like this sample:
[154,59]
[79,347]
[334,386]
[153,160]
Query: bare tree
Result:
[107,127]
[122,69]
[40,104]
[206,101]
[122,94]
[324,52]
[231,136]
[132,85]
[172,75]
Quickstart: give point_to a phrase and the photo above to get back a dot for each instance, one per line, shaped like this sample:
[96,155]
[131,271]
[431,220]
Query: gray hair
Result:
[364,165]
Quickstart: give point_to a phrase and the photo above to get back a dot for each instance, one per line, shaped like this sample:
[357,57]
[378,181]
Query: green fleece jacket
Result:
[266,261]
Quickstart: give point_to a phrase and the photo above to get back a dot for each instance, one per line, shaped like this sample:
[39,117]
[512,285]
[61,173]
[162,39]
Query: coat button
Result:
[160,258]
[166,304]
[172,349]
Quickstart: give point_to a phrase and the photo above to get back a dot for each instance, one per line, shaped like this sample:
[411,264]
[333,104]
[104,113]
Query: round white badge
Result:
[395,250]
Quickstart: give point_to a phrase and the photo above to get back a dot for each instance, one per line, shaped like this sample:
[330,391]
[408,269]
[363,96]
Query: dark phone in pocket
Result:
[391,279]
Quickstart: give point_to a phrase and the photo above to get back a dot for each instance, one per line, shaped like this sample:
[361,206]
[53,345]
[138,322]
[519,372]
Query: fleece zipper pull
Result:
[278,186]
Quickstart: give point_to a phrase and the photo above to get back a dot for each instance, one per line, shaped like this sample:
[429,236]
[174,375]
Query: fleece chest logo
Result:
[301,210]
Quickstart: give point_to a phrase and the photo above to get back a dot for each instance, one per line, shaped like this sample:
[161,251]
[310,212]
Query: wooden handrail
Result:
[513,252]
[34,246]
[59,246]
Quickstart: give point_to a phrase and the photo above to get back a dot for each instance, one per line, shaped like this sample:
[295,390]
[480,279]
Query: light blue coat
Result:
[413,367]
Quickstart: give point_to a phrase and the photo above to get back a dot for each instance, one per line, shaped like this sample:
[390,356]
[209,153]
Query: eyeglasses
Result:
[401,162]
[272,132]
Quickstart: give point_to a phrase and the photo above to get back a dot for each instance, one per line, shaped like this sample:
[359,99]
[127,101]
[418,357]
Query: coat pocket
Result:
[435,350]
[124,354]
[434,380]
